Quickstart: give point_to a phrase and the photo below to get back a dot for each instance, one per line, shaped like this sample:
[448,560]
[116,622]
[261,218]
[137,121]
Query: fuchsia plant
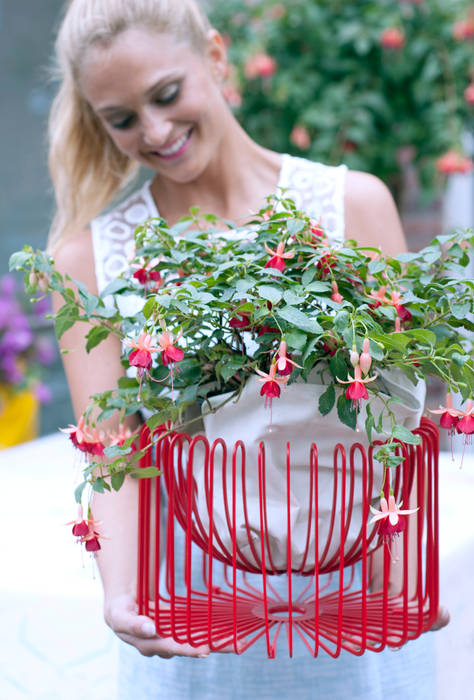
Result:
[225,311]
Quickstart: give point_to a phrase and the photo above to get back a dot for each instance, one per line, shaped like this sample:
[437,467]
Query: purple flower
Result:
[7,285]
[45,351]
[16,340]
[42,307]
[43,393]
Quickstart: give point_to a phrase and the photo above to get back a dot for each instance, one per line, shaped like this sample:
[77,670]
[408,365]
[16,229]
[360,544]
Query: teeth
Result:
[175,148]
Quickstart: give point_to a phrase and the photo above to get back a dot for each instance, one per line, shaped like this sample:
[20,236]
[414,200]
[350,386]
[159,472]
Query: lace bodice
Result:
[317,189]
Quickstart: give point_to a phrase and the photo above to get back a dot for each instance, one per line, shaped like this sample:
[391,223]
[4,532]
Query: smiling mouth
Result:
[177,148]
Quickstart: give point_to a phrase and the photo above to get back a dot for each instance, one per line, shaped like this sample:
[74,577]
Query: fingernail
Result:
[203,656]
[148,628]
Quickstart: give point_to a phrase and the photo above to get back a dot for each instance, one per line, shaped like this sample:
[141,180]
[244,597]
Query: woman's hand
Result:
[138,630]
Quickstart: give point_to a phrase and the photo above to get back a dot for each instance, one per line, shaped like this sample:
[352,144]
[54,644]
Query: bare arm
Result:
[89,373]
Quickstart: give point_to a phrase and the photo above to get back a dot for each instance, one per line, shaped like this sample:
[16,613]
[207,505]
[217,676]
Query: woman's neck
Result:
[234,185]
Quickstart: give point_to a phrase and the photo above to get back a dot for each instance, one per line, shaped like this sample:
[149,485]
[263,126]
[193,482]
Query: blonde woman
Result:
[140,85]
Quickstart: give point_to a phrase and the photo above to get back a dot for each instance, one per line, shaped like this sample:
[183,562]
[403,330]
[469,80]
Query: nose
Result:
[156,129]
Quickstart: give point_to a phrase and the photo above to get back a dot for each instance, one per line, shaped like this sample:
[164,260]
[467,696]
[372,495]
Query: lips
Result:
[177,147]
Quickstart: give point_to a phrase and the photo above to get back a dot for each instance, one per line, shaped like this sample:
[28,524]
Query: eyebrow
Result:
[159,83]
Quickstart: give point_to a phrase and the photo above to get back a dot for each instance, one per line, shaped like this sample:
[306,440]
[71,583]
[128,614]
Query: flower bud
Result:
[365,358]
[33,279]
[354,356]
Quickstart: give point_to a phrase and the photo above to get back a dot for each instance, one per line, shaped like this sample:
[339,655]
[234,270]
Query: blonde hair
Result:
[86,167]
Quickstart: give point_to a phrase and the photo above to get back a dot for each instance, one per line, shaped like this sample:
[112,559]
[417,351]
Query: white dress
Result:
[319,191]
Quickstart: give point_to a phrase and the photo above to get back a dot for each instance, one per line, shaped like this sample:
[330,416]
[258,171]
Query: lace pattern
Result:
[316,188]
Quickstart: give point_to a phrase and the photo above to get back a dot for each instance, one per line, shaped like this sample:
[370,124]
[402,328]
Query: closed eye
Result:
[125,123]
[168,94]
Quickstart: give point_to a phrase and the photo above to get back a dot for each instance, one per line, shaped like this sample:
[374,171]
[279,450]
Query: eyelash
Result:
[128,121]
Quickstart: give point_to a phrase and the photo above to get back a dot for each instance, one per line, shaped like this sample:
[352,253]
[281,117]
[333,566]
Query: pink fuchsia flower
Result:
[169,352]
[271,383]
[469,94]
[317,233]
[260,65]
[448,415]
[91,539]
[300,137]
[390,518]
[336,296]
[141,357]
[121,435]
[365,358]
[83,438]
[80,527]
[466,421]
[453,162]
[283,362]
[278,258]
[401,310]
[356,389]
[392,38]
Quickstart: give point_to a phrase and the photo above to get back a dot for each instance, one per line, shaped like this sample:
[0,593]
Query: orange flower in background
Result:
[469,94]
[299,137]
[463,30]
[453,162]
[392,38]
[260,65]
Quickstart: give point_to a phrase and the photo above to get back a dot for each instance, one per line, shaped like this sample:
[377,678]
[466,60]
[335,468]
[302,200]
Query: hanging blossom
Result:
[141,356]
[336,296]
[86,530]
[169,352]
[457,420]
[121,436]
[395,300]
[356,389]
[278,258]
[283,362]
[390,518]
[271,383]
[87,440]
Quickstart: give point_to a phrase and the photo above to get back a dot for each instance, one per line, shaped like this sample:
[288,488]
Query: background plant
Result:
[374,83]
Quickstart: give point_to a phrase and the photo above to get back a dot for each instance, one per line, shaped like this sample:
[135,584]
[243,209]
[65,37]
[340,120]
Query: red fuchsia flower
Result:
[141,357]
[80,527]
[77,433]
[85,439]
[283,362]
[259,65]
[390,518]
[300,137]
[365,358]
[91,539]
[278,258]
[379,296]
[392,38]
[453,162]
[271,383]
[240,321]
[356,389]
[335,296]
[463,30]
[401,310]
[349,146]
[448,415]
[326,262]
[121,436]
[466,422]
[169,352]
[318,233]
[469,94]
[267,329]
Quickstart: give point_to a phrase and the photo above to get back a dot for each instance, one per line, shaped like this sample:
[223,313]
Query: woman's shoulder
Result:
[74,256]
[371,215]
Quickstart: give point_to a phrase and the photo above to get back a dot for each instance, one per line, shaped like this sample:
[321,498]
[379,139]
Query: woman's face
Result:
[158,99]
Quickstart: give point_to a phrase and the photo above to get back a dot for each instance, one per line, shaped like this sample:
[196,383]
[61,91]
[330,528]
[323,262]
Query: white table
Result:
[51,602]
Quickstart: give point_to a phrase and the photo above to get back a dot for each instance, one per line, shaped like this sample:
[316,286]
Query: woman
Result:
[140,85]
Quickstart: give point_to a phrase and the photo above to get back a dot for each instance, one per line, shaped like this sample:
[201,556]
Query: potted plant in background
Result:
[24,353]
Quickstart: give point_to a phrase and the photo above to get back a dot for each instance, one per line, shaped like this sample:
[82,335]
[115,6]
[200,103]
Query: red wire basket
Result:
[209,574]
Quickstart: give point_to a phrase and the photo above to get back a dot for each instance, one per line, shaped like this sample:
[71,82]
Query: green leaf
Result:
[95,336]
[161,417]
[18,260]
[100,485]
[422,335]
[318,287]
[344,412]
[376,266]
[342,321]
[270,293]
[114,287]
[78,491]
[148,308]
[117,451]
[296,339]
[401,433]
[300,320]
[308,276]
[460,311]
[392,341]
[291,298]
[327,400]
[117,480]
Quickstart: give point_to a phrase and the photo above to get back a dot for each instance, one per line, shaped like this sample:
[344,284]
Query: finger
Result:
[124,621]
[165,647]
[442,620]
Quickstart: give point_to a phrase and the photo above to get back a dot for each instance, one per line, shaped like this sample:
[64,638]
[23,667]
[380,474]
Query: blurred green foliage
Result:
[360,103]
